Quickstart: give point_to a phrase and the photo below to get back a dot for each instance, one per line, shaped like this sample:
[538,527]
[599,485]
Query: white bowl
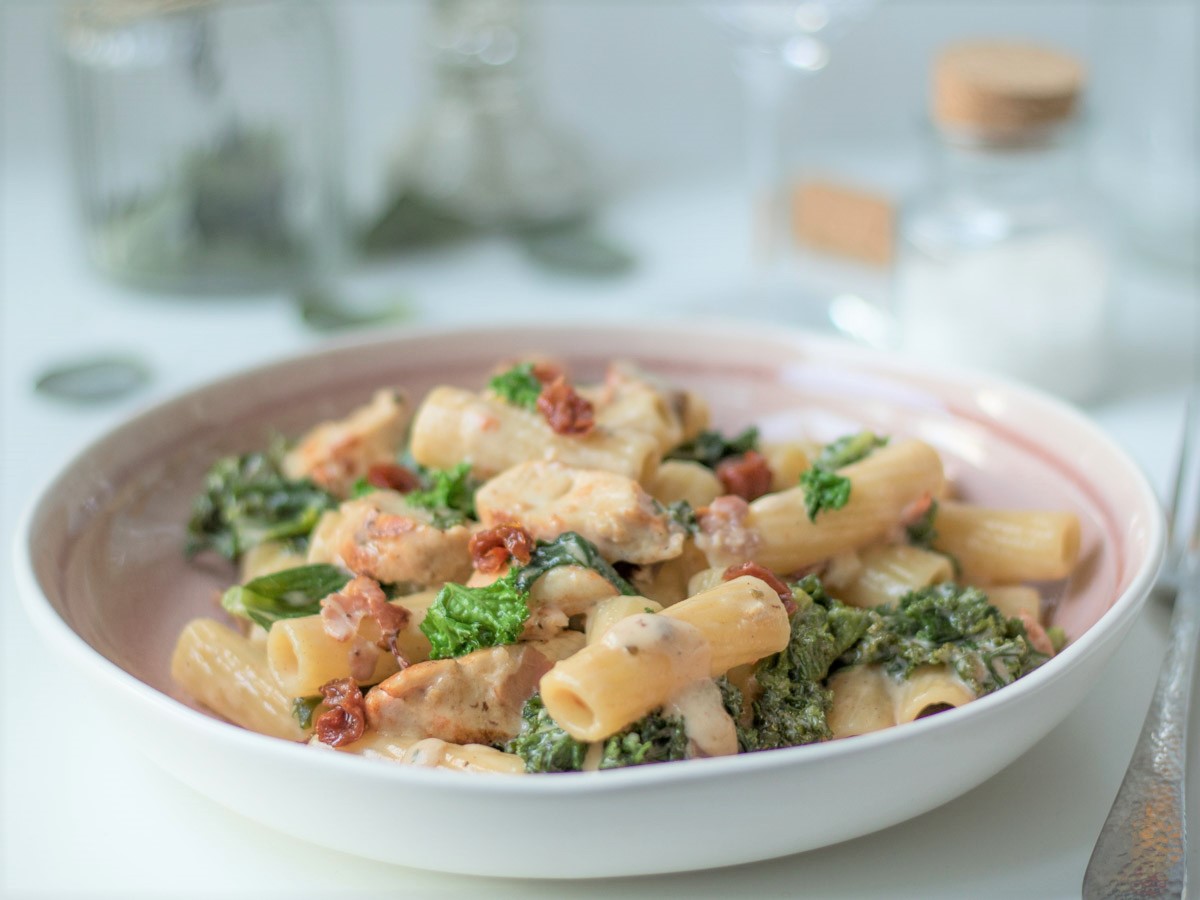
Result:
[101,571]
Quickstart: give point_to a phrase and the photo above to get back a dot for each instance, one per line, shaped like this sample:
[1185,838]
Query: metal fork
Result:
[1142,849]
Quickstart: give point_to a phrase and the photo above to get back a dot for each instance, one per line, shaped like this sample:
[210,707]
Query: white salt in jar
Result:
[1001,265]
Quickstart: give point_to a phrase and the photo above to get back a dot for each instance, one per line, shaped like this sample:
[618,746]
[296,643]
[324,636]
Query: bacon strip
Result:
[346,719]
[491,549]
[748,476]
[342,614]
[565,410]
[764,574]
[392,476]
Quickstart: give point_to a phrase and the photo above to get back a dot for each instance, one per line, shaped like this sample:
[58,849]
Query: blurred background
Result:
[191,185]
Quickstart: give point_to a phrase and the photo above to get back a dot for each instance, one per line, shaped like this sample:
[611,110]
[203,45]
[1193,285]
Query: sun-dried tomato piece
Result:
[392,476]
[763,574]
[565,410]
[490,550]
[748,476]
[346,719]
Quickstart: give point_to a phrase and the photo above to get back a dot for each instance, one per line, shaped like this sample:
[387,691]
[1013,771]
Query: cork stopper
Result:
[998,89]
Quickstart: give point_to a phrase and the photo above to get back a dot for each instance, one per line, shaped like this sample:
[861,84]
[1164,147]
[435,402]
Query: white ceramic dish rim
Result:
[561,785]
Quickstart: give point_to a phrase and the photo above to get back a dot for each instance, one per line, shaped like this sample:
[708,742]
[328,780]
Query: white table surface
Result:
[85,815]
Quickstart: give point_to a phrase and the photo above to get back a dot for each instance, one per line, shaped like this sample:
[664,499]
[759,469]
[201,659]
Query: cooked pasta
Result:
[545,578]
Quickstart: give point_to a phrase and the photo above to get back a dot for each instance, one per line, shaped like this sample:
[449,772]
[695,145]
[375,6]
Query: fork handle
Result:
[1142,850]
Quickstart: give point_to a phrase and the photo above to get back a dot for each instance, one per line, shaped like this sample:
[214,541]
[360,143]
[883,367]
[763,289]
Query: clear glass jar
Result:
[206,140]
[1000,264]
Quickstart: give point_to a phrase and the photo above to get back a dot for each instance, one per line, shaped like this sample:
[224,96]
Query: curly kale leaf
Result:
[284,595]
[653,739]
[823,490]
[948,625]
[543,745]
[448,493]
[462,619]
[710,447]
[546,747]
[922,533]
[848,449]
[792,705]
[823,487]
[568,549]
[247,500]
[518,386]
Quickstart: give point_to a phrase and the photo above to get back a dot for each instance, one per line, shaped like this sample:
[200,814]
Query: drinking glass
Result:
[776,42]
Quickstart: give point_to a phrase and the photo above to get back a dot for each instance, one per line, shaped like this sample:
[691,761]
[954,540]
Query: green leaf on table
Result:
[322,311]
[576,248]
[97,379]
[411,221]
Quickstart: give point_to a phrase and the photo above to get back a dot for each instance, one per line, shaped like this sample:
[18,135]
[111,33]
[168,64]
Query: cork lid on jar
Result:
[1004,90]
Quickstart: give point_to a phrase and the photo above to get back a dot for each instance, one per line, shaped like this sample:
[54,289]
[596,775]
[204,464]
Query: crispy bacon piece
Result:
[491,549]
[392,477]
[565,410]
[1038,639]
[346,719]
[748,476]
[344,611]
[764,574]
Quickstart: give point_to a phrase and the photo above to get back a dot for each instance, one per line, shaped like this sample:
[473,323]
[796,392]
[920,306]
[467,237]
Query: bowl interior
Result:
[106,538]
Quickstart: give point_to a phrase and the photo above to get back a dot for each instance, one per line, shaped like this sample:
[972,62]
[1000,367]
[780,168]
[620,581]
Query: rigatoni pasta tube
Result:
[643,660]
[434,753]
[611,610]
[637,666]
[743,620]
[862,701]
[678,479]
[1014,599]
[453,425]
[229,674]
[889,571]
[929,689]
[303,655]
[782,538]
[1007,545]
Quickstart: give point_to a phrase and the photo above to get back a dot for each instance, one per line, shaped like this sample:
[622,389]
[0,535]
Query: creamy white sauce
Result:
[709,728]
[682,643]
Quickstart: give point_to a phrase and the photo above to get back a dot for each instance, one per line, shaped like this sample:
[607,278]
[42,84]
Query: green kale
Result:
[518,386]
[823,490]
[448,493]
[361,488]
[948,625]
[543,745]
[792,705]
[681,513]
[848,449]
[568,549]
[247,500]
[653,739]
[922,533]
[1058,638]
[284,595]
[710,447]
[303,709]
[546,747]
[462,619]
[823,487]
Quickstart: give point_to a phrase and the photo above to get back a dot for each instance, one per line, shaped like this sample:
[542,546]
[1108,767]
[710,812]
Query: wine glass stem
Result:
[767,81]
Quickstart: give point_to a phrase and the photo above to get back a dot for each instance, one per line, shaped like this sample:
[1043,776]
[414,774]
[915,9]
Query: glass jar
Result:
[206,140]
[1000,265]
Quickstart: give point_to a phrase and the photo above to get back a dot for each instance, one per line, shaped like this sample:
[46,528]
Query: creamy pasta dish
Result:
[543,576]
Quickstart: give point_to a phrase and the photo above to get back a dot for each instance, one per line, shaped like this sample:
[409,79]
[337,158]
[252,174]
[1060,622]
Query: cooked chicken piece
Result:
[633,400]
[475,699]
[381,536]
[336,454]
[611,511]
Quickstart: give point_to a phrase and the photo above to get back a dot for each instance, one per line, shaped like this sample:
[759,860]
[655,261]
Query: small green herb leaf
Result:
[568,549]
[823,490]
[450,495]
[518,386]
[303,709]
[710,447]
[848,449]
[284,595]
